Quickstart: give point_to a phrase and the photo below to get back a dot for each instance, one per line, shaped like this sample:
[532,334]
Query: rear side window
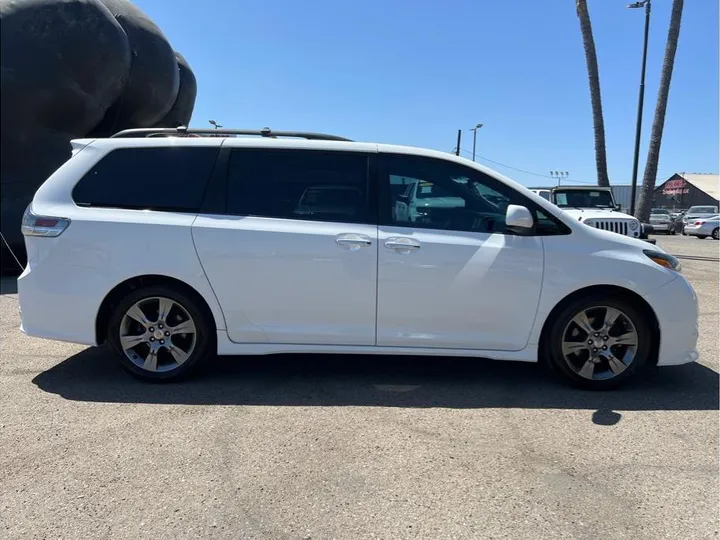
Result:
[294,184]
[171,179]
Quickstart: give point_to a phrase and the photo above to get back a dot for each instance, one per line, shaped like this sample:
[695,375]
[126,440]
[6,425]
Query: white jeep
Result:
[596,207]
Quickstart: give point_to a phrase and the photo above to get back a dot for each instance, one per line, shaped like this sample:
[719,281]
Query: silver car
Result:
[695,212]
[704,227]
[661,220]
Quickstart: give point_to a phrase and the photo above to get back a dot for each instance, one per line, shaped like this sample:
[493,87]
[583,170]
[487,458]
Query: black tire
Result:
[204,336]
[716,233]
[556,361]
[701,237]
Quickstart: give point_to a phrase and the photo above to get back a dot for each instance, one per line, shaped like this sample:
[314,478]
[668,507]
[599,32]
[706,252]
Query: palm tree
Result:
[594,77]
[656,133]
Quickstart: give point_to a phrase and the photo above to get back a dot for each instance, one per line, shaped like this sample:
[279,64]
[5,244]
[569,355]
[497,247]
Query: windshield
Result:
[660,211]
[702,210]
[427,190]
[583,198]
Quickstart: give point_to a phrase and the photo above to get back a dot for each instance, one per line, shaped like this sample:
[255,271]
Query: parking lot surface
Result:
[353,447]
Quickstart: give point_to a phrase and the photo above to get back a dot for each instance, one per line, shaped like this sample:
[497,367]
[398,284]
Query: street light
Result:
[559,175]
[474,130]
[641,98]
[214,123]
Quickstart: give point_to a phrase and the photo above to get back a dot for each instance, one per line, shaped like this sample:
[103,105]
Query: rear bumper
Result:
[664,227]
[695,231]
[58,309]
[676,308]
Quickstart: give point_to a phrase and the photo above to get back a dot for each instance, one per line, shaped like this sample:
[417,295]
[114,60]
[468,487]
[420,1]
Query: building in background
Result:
[679,192]
[683,190]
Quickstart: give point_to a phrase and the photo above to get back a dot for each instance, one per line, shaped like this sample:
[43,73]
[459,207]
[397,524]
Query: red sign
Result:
[675,187]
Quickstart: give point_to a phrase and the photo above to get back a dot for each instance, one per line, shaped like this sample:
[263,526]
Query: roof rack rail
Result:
[184,131]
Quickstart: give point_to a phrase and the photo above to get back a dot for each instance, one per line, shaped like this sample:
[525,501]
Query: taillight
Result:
[698,223]
[34,225]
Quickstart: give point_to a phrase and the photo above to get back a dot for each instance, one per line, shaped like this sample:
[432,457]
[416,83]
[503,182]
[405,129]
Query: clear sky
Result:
[414,72]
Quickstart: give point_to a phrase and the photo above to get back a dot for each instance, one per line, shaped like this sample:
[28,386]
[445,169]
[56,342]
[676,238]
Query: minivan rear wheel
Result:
[159,333]
[598,342]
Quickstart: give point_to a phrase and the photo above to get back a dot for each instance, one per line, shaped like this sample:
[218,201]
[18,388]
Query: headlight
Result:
[633,225]
[663,259]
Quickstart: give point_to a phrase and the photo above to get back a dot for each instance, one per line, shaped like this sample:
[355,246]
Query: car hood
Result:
[582,214]
[612,240]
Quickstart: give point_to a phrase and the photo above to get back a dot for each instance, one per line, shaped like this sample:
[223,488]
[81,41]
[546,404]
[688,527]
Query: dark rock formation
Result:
[77,68]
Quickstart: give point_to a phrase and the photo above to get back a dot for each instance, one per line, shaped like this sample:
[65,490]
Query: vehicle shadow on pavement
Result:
[8,285]
[339,380]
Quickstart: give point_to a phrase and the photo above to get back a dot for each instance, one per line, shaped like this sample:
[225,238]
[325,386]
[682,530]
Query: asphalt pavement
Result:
[303,447]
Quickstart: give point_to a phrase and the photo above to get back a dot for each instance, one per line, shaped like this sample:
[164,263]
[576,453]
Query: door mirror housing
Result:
[519,219]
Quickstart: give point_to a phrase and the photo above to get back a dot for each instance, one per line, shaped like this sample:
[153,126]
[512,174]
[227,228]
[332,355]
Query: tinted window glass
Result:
[444,195]
[172,179]
[448,196]
[291,184]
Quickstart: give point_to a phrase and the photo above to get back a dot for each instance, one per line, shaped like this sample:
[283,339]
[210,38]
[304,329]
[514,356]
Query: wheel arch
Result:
[137,282]
[638,301]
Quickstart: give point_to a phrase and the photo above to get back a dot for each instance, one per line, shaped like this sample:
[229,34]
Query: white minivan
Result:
[173,246]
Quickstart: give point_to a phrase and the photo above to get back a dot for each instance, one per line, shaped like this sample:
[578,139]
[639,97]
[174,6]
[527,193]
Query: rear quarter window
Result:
[170,179]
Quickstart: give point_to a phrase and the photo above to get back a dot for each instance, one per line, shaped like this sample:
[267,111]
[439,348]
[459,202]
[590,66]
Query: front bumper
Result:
[662,226]
[676,308]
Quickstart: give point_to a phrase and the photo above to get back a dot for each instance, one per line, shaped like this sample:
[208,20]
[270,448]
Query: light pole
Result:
[641,98]
[474,130]
[559,175]
[214,123]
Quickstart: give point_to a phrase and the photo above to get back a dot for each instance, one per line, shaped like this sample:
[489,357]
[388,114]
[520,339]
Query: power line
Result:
[517,169]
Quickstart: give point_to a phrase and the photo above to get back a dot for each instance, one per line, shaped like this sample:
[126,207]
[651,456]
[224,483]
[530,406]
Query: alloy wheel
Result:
[599,343]
[157,334]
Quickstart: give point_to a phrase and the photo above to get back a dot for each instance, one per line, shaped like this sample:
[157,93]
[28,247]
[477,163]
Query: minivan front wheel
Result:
[159,333]
[598,342]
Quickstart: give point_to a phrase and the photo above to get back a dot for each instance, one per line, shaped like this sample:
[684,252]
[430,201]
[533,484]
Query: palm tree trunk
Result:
[656,133]
[596,101]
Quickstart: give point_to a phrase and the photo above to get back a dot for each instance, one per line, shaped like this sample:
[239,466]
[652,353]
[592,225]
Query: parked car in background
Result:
[696,212]
[704,227]
[595,206]
[278,245]
[662,221]
[544,193]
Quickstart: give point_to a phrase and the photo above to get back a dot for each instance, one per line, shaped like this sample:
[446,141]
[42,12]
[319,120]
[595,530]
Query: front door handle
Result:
[353,241]
[402,245]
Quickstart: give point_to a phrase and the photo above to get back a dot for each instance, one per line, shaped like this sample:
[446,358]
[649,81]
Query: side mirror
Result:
[518,218]
[618,207]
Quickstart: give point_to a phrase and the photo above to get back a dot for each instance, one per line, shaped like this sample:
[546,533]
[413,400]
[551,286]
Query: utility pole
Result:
[457,148]
[474,130]
[641,97]
[559,175]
